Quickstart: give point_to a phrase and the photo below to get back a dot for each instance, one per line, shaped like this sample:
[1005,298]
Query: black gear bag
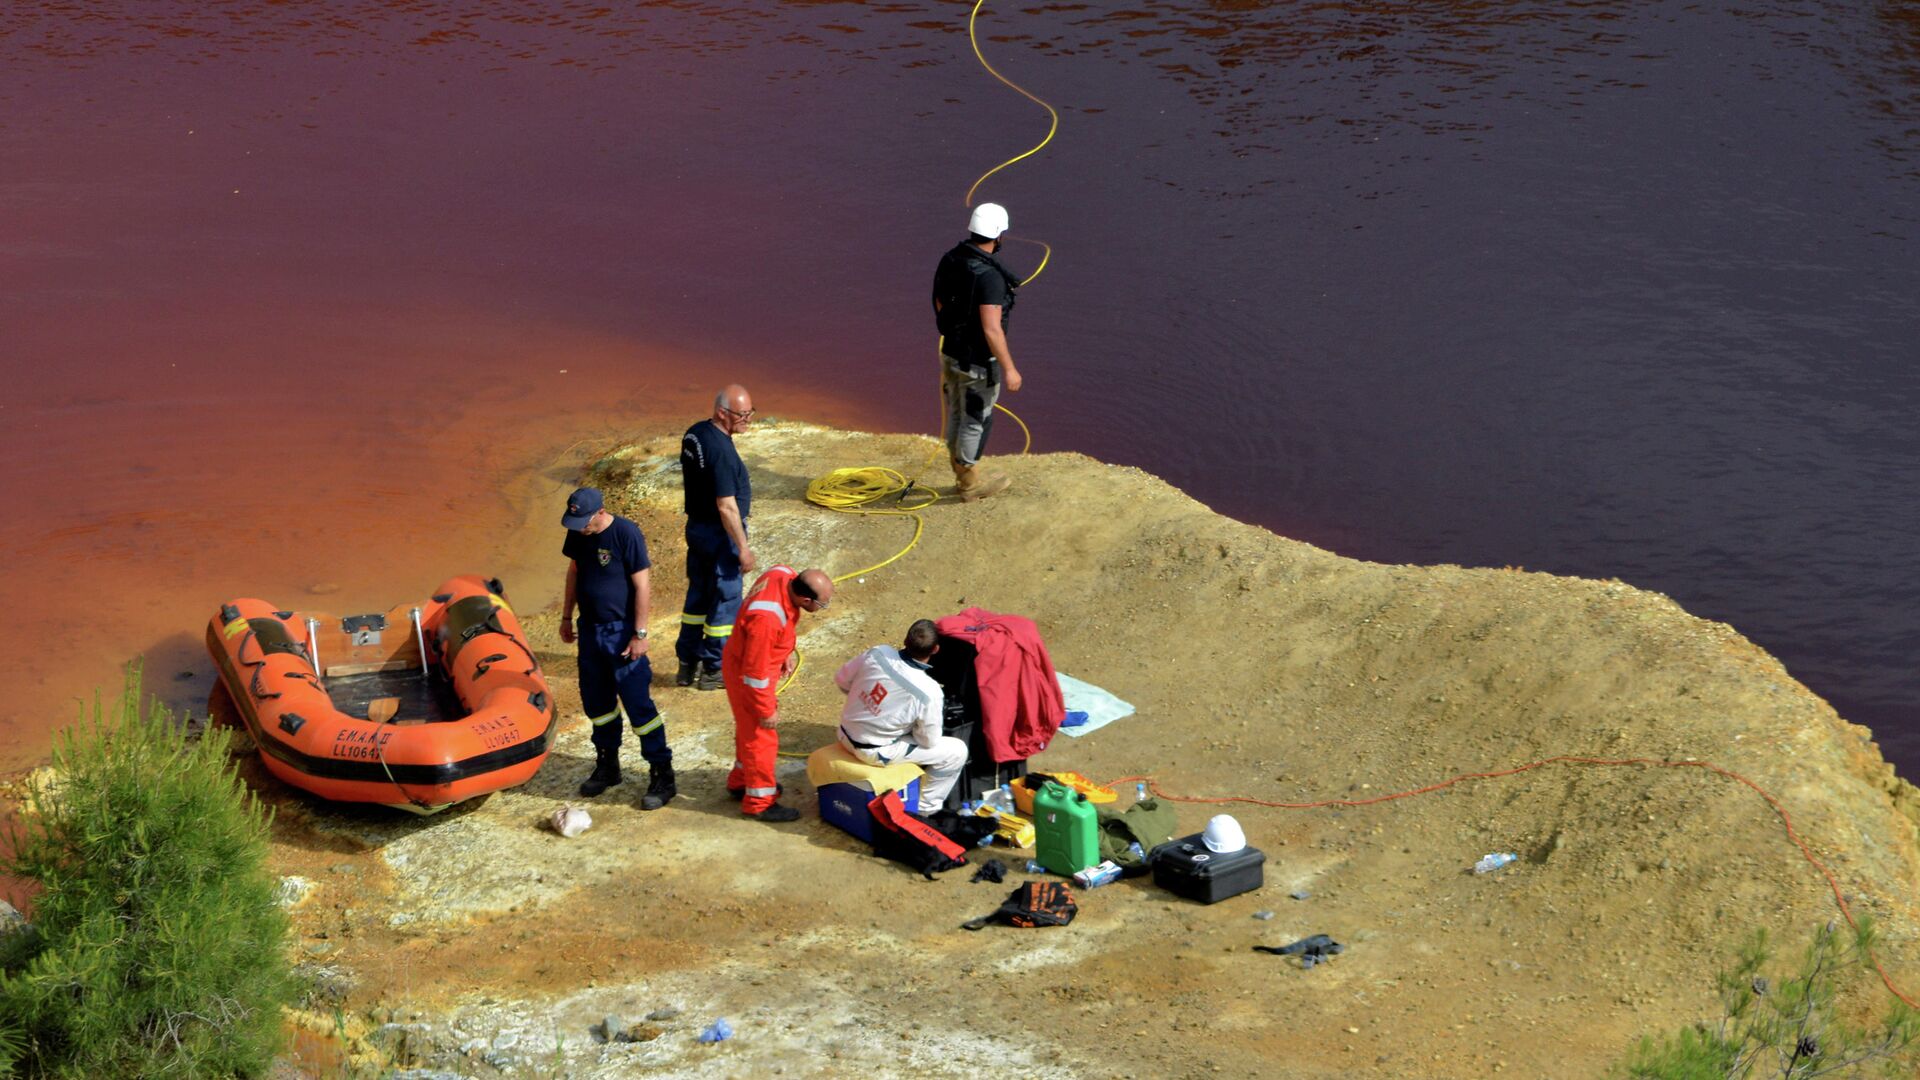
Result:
[1036,903]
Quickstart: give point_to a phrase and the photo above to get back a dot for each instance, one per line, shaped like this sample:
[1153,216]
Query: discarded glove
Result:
[718,1031]
[992,870]
[1317,949]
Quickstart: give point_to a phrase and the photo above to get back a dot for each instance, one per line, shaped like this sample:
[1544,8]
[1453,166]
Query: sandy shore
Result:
[479,944]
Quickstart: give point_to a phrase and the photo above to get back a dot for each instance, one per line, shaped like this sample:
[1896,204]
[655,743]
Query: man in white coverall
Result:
[893,713]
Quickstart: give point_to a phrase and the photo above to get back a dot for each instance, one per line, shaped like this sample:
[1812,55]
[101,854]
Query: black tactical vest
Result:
[954,291]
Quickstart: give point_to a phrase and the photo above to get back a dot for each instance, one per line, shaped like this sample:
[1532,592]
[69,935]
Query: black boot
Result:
[684,677]
[660,789]
[606,773]
[776,814]
[708,679]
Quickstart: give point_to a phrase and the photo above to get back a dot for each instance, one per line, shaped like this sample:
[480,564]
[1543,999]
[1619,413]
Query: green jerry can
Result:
[1066,830]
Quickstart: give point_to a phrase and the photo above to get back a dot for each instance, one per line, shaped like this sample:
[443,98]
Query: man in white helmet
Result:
[972,301]
[893,712]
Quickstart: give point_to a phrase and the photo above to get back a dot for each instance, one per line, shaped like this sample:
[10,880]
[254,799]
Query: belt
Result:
[851,741]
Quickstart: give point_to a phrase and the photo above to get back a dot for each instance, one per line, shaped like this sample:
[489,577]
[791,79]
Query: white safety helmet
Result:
[989,220]
[1223,835]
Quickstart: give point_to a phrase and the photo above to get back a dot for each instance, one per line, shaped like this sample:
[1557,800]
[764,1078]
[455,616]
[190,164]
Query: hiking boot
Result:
[775,814]
[606,773]
[972,485]
[684,677]
[709,679]
[660,789]
[990,484]
[738,793]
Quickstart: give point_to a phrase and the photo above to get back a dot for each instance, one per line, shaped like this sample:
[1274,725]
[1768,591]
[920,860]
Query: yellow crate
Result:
[1096,794]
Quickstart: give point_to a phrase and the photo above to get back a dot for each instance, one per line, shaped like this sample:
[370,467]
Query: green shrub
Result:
[158,947]
[1788,1028]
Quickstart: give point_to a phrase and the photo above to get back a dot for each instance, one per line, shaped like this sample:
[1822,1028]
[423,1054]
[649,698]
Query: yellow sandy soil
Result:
[1261,667]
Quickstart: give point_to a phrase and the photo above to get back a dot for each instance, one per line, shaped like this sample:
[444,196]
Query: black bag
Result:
[905,837]
[1036,903]
[953,669]
[967,830]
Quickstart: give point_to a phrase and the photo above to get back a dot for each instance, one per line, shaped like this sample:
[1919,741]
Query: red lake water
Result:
[329,301]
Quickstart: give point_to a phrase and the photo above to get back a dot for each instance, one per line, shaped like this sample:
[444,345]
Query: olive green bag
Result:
[1148,823]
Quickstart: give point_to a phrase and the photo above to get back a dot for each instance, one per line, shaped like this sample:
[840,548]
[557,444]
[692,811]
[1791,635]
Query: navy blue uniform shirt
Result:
[604,567]
[710,469]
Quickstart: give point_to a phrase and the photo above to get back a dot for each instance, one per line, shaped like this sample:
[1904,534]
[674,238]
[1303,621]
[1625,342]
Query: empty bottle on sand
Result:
[1489,863]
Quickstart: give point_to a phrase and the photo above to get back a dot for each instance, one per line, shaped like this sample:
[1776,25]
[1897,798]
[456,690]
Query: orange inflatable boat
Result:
[416,708]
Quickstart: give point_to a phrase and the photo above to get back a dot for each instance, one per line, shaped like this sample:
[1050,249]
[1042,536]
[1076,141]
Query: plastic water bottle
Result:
[1489,863]
[1034,867]
[999,800]
[986,811]
[1140,792]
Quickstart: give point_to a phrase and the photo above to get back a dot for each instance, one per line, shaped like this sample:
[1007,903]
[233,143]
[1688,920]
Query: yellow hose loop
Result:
[1028,444]
[799,661]
[853,491]
[1046,252]
[1054,117]
[1053,125]
[848,489]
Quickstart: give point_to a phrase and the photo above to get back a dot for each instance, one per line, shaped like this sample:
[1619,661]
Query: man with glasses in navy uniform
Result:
[719,497]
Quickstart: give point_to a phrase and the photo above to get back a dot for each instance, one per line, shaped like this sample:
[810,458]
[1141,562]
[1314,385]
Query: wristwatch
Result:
[640,635]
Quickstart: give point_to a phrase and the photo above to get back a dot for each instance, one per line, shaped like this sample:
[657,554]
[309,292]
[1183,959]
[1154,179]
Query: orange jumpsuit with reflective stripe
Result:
[762,639]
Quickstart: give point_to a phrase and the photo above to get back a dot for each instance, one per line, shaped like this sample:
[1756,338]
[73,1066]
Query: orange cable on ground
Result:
[1564,759]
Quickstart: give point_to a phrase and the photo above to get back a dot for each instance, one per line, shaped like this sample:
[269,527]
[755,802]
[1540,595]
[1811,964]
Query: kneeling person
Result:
[893,713]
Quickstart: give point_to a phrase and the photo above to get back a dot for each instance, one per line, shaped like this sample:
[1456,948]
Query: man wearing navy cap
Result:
[607,579]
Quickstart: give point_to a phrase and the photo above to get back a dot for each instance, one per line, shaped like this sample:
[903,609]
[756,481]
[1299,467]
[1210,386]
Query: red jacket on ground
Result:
[762,639]
[1020,702]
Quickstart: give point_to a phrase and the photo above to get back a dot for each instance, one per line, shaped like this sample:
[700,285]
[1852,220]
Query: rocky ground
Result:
[479,943]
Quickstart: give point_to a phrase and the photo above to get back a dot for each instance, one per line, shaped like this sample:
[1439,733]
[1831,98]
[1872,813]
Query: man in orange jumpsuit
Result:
[758,654]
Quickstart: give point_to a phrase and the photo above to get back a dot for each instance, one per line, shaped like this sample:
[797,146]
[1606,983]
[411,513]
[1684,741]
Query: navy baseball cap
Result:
[581,506]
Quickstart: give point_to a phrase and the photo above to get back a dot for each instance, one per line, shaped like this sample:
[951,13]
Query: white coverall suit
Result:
[893,714]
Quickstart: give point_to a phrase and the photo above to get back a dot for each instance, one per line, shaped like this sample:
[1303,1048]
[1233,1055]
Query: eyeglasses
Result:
[737,414]
[816,603]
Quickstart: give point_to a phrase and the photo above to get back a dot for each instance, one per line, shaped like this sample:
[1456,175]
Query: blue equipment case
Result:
[845,806]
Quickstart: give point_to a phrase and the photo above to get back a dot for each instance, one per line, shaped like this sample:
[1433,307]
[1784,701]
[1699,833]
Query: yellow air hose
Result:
[855,490]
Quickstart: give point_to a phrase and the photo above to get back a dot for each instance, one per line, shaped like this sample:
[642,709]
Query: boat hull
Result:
[472,640]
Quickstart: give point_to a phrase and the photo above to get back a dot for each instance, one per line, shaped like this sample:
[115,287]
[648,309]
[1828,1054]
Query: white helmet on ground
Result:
[989,220]
[1223,835]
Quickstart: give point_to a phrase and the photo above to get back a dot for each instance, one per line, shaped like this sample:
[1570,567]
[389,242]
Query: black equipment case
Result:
[1183,866]
[953,670]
